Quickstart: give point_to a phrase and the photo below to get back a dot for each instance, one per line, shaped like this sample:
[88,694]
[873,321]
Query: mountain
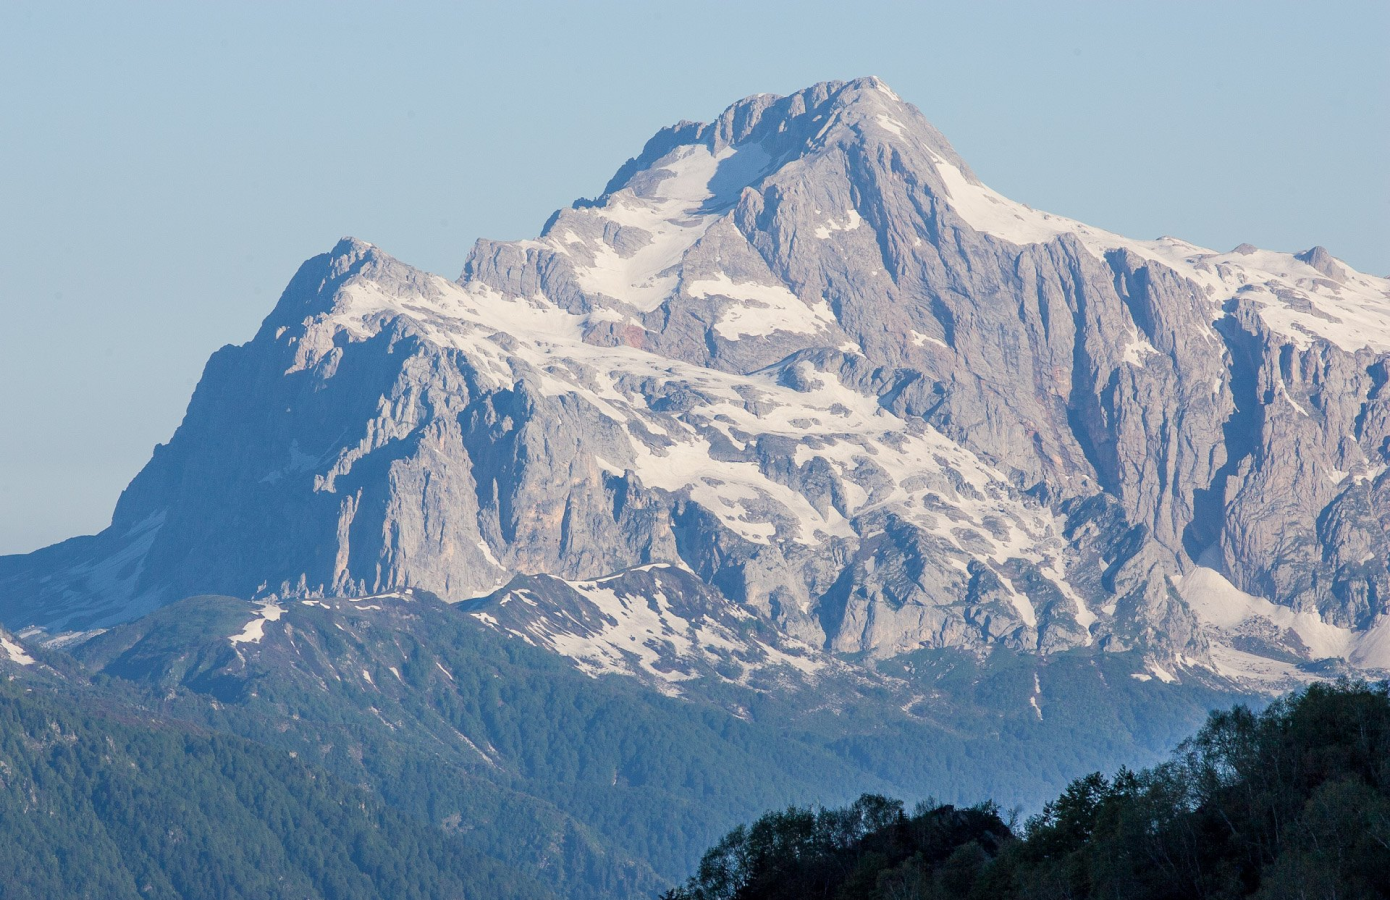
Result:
[805,357]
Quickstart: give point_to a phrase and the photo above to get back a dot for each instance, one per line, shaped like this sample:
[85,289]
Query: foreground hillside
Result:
[1293,802]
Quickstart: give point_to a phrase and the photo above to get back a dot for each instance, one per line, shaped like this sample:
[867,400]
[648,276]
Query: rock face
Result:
[802,354]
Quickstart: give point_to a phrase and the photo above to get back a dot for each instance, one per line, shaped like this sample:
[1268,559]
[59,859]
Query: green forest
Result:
[93,806]
[403,750]
[1292,802]
[602,788]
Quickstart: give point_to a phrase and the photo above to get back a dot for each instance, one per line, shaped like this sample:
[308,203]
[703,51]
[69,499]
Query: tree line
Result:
[1292,802]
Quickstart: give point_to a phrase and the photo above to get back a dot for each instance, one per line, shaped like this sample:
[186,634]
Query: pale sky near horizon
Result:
[164,168]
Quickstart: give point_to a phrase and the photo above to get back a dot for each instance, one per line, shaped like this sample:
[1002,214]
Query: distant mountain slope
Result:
[95,805]
[803,353]
[599,786]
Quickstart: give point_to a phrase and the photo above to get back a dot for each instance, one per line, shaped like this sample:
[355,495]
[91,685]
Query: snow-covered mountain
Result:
[804,362]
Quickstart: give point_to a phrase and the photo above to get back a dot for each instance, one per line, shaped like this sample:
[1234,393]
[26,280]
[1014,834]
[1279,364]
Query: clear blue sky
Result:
[164,167]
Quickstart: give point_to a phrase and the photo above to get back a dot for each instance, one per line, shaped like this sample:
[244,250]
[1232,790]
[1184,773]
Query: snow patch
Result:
[761,308]
[1135,351]
[921,340]
[850,222]
[891,124]
[1221,604]
[15,652]
[644,633]
[255,629]
[1372,650]
[674,214]
[1162,674]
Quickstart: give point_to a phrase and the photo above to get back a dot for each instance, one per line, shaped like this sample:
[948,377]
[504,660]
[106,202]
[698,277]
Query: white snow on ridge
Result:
[883,88]
[637,626]
[645,634]
[1296,300]
[989,211]
[674,215]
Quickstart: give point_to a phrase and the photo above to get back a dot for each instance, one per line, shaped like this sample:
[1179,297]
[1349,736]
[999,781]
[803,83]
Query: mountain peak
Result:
[350,248]
[792,126]
[312,289]
[1324,262]
[801,353]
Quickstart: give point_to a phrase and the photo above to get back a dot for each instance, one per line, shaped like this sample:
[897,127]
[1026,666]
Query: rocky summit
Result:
[798,384]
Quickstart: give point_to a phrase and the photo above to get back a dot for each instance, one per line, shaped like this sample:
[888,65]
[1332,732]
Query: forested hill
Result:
[95,807]
[1293,802]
